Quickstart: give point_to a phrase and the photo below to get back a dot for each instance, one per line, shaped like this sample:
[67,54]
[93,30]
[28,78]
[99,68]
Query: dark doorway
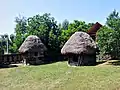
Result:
[75,58]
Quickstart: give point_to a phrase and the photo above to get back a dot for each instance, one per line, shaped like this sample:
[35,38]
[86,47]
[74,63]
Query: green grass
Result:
[58,76]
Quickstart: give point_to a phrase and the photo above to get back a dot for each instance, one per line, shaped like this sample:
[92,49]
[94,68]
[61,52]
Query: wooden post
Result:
[79,60]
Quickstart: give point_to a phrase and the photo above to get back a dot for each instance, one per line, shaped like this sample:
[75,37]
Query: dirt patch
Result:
[110,62]
[105,63]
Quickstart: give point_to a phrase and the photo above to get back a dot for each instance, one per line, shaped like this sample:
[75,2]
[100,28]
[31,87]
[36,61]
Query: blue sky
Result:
[87,10]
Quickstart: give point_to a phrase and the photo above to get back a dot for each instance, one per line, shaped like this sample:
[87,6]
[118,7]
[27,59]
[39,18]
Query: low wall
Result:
[10,58]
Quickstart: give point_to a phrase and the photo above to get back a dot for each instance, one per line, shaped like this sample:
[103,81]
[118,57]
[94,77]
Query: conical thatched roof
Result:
[32,42]
[79,42]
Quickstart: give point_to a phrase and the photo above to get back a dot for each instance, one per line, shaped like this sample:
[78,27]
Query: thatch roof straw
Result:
[79,42]
[30,43]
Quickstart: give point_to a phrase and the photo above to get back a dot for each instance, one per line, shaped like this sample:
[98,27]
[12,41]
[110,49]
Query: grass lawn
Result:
[59,76]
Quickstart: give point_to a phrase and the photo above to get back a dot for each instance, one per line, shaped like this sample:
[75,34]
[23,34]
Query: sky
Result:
[85,10]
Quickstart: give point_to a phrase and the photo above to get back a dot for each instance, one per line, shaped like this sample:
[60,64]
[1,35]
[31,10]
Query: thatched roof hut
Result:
[79,42]
[30,43]
[80,45]
[33,50]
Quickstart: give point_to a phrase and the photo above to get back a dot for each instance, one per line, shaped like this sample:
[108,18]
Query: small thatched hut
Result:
[80,49]
[32,50]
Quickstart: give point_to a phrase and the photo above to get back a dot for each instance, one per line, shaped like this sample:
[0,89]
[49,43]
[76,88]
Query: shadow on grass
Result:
[47,63]
[7,66]
[116,63]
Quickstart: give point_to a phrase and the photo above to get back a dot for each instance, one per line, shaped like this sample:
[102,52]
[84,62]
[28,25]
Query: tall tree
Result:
[108,37]
[47,29]
[42,25]
[113,20]
[20,30]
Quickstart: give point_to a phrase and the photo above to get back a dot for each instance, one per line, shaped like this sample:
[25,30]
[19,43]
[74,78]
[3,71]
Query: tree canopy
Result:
[108,36]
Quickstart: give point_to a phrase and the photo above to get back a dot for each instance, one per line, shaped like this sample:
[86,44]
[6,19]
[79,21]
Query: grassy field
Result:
[59,76]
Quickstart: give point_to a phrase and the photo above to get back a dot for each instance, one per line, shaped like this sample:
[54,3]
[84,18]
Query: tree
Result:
[12,44]
[20,31]
[45,27]
[113,19]
[104,36]
[42,26]
[7,42]
[72,28]
[65,24]
[108,37]
[2,43]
